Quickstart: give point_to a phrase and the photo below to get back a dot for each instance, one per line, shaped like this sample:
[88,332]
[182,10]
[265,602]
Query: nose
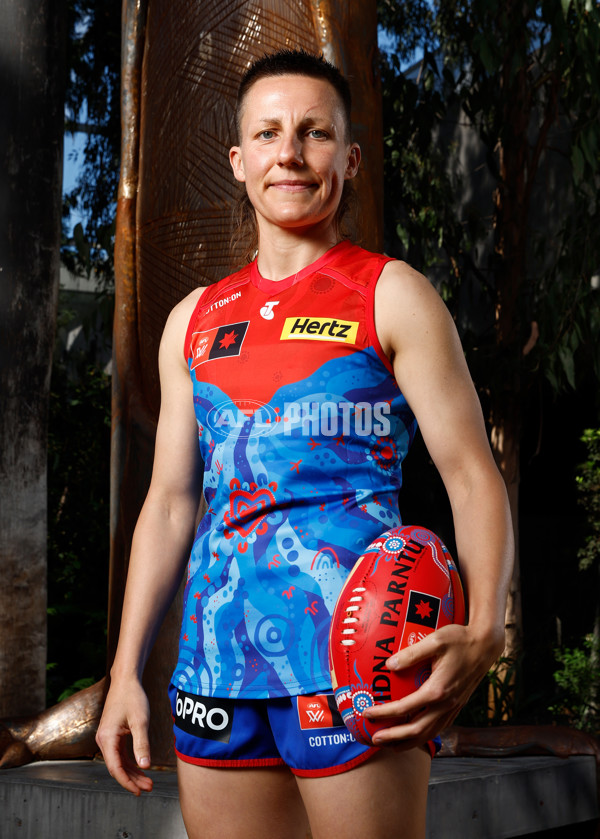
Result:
[290,150]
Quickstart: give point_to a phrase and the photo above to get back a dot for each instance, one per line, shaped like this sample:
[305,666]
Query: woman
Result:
[302,375]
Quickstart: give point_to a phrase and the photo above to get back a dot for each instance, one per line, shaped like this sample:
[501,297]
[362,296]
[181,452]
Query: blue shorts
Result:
[305,733]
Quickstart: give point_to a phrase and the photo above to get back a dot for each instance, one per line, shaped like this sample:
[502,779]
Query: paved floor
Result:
[469,798]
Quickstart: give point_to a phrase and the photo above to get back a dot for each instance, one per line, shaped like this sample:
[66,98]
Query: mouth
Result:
[293,186]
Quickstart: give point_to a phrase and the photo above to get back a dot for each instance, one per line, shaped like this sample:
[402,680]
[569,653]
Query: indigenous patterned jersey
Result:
[302,429]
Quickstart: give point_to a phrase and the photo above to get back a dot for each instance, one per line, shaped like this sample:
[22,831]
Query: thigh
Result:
[384,798]
[240,803]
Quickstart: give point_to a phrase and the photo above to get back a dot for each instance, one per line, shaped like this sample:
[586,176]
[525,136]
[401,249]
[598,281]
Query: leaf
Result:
[482,46]
[551,376]
[589,141]
[566,5]
[567,361]
[578,163]
[403,236]
[80,684]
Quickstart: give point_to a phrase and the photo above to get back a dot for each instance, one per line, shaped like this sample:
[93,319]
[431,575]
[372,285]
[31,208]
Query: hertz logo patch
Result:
[320,329]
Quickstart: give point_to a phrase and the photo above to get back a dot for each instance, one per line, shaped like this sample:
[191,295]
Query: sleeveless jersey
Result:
[302,430]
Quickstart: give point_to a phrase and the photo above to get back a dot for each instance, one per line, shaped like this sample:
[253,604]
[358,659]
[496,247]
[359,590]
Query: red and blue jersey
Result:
[302,429]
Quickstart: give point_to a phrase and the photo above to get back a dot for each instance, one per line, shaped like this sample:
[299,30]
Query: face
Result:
[293,155]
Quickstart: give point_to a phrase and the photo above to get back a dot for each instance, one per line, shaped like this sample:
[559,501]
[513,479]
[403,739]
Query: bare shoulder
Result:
[183,311]
[408,308]
[178,321]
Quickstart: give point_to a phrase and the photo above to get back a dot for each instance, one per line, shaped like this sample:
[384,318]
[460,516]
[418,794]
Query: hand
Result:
[126,712]
[459,658]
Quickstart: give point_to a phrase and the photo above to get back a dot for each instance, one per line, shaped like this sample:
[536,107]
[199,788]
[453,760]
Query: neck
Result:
[282,253]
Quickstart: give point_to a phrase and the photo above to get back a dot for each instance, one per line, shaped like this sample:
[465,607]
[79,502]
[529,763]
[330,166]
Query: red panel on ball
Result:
[404,587]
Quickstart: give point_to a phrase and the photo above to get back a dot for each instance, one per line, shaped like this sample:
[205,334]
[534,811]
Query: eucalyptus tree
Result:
[92,112]
[492,175]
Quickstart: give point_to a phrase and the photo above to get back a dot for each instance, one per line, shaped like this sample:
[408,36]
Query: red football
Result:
[402,588]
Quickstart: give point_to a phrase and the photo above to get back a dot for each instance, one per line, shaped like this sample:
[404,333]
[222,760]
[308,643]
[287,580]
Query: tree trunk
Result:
[511,214]
[519,152]
[32,42]
[505,444]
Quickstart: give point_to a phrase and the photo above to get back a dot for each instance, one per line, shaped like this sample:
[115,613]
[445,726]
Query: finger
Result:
[127,774]
[141,746]
[120,766]
[423,650]
[431,647]
[409,705]
[134,782]
[410,734]
[140,779]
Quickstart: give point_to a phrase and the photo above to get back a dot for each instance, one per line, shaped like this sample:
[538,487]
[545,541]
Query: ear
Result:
[354,156]
[235,158]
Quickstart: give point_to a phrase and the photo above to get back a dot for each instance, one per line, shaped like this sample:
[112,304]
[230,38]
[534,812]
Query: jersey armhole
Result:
[370,314]
[190,329]
[208,295]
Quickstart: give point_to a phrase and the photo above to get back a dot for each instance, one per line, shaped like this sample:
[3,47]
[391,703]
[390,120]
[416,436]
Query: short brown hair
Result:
[299,62]
[287,62]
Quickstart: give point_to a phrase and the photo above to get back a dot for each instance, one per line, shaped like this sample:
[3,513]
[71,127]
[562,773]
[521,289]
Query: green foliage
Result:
[408,24]
[424,223]
[488,704]
[588,486]
[492,173]
[501,680]
[78,526]
[578,682]
[500,698]
[93,107]
[80,684]
[79,420]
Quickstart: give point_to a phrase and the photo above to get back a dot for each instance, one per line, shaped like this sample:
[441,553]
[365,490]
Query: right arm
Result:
[159,551]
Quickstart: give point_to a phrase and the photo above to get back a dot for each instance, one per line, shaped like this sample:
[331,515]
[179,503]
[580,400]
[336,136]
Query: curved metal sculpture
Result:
[513,740]
[64,731]
[181,64]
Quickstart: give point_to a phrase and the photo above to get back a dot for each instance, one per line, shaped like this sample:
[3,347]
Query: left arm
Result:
[418,334]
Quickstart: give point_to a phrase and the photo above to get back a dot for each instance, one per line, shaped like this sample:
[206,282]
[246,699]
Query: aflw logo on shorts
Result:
[203,716]
[318,712]
[320,329]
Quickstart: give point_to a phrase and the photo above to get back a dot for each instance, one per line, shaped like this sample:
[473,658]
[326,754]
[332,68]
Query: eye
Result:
[318,134]
[267,134]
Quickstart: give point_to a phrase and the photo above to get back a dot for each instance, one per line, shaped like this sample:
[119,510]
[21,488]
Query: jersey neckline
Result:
[280,285]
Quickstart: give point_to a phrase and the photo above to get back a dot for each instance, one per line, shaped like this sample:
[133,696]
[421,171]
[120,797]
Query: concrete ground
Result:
[469,798]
